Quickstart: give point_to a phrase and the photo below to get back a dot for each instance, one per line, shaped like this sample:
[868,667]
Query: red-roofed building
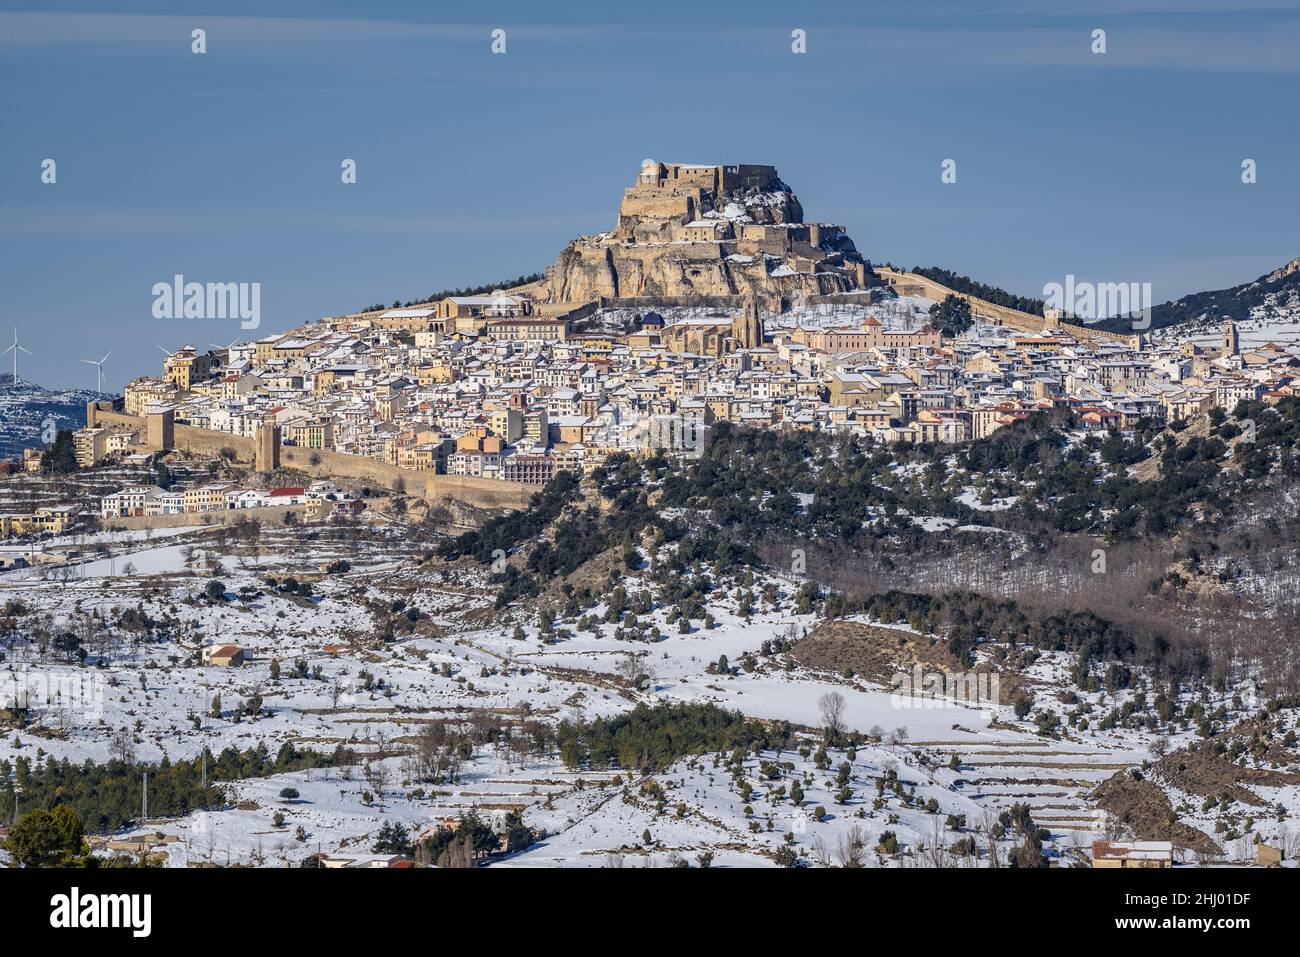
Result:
[1132,854]
[224,656]
[1097,419]
[286,496]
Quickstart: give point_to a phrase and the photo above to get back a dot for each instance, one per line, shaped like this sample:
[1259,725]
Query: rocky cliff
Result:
[695,231]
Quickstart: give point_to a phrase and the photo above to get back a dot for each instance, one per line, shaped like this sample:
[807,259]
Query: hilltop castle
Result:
[692,231]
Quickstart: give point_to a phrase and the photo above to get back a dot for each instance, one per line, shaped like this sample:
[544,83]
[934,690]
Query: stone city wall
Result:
[327,463]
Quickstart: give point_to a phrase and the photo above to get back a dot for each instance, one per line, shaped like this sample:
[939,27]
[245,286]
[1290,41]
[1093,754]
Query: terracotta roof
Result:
[1132,850]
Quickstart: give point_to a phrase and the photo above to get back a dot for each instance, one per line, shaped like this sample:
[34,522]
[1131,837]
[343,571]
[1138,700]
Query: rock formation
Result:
[702,231]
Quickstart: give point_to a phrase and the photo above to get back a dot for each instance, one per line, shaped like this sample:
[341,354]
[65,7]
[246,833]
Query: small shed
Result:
[224,656]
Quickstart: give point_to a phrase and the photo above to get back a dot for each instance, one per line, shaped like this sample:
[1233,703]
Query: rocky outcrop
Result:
[587,271]
[1290,269]
[709,231]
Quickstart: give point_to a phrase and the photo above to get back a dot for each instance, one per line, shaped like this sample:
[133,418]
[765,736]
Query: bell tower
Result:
[747,328]
[1231,339]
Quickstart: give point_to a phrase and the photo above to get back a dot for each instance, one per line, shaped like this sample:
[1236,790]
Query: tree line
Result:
[108,796]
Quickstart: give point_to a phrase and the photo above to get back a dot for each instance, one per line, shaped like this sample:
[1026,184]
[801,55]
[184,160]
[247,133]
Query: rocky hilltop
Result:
[687,231]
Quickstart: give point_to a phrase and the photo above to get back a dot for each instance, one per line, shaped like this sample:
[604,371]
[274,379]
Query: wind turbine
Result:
[99,370]
[15,349]
[166,352]
[225,349]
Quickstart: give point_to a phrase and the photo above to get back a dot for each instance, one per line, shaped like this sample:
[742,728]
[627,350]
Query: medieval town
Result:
[710,301]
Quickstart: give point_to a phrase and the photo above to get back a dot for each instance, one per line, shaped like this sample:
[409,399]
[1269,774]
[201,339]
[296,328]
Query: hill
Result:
[26,408]
[690,231]
[1274,298]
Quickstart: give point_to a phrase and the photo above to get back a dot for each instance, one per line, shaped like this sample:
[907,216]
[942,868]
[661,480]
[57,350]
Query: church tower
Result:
[1231,339]
[747,328]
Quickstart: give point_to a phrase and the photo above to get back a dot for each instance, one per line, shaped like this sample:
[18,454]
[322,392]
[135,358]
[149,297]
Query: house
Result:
[319,509]
[286,496]
[53,518]
[309,432]
[1132,854]
[245,498]
[205,498]
[522,328]
[1096,420]
[160,501]
[46,518]
[224,656]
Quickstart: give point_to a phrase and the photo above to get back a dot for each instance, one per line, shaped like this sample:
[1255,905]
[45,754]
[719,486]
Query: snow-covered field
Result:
[923,761]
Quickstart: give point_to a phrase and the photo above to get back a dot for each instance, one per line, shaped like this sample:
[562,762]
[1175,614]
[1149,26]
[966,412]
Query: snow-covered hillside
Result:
[29,413]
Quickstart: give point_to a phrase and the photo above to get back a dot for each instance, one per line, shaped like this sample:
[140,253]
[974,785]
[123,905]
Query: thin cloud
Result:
[1199,48]
[32,222]
[44,28]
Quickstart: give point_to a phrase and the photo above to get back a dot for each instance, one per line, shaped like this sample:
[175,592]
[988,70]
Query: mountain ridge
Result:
[1277,289]
[25,409]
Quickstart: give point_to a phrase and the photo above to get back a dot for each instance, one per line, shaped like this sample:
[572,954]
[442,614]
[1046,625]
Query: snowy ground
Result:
[370,695]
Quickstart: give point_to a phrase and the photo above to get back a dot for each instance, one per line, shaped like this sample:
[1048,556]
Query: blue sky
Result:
[474,167]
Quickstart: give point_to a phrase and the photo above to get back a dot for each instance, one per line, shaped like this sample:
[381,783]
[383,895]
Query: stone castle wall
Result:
[747,176]
[327,463]
[651,202]
[270,515]
[908,283]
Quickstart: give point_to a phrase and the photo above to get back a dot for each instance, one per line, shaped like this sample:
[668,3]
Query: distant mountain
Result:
[26,407]
[1276,294]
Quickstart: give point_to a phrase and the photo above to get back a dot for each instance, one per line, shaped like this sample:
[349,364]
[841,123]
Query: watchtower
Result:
[267,458]
[160,429]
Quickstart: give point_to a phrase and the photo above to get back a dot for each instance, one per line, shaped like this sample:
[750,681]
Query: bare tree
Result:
[636,671]
[122,746]
[852,848]
[820,853]
[989,821]
[938,853]
[832,709]
[377,778]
